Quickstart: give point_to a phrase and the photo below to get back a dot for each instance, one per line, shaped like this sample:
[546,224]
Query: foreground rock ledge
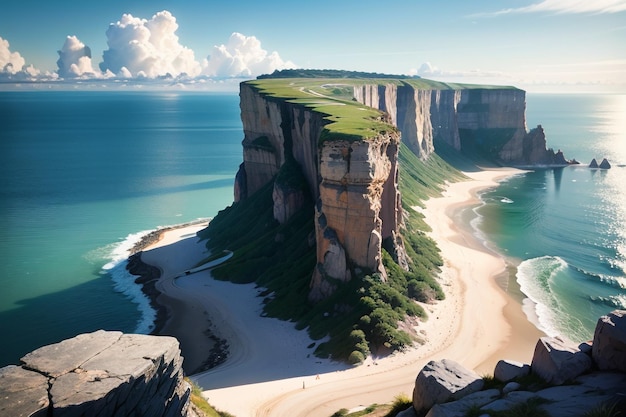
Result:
[98,374]
[569,380]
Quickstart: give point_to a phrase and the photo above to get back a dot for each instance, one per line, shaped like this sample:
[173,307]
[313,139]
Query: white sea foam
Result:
[615,301]
[534,277]
[124,282]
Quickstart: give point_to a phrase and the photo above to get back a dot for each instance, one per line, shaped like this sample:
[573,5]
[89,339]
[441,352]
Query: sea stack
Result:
[605,164]
[594,163]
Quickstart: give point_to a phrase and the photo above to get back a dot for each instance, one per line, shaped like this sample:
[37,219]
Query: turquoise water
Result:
[84,176]
[566,228]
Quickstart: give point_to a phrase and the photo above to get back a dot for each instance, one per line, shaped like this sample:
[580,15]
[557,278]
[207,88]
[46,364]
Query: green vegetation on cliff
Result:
[331,93]
[363,314]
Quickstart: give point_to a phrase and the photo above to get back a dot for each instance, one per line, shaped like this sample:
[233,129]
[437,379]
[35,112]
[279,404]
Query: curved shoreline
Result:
[271,362]
[168,308]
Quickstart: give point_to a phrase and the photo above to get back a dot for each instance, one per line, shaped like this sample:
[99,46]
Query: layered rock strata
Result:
[98,374]
[353,182]
[486,121]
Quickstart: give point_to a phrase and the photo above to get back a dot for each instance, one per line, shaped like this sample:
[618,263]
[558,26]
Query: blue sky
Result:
[539,45]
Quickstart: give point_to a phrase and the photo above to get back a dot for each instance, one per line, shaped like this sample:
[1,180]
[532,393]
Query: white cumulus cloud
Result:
[13,66]
[242,56]
[10,62]
[75,59]
[147,48]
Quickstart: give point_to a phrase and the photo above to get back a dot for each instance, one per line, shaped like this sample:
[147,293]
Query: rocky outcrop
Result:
[577,380]
[609,342]
[98,374]
[489,122]
[358,207]
[605,164]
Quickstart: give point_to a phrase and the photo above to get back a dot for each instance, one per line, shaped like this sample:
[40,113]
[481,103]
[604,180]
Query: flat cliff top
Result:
[334,99]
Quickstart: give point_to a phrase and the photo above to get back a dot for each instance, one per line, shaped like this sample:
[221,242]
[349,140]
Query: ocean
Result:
[564,229]
[86,174]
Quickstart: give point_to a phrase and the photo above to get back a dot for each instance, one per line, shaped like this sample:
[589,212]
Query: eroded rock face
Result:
[485,121]
[99,374]
[355,185]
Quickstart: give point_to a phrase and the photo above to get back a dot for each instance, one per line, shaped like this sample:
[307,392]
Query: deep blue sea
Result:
[565,229]
[86,174]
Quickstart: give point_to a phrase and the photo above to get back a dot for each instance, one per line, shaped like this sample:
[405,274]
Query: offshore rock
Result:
[605,164]
[593,163]
[99,374]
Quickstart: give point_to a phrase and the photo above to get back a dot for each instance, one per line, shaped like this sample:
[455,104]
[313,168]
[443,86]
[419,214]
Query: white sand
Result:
[272,372]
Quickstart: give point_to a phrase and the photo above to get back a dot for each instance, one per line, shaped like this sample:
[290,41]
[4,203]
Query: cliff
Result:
[329,134]
[98,374]
[351,177]
[486,121]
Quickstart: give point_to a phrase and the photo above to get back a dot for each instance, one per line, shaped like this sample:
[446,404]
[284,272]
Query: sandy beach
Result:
[271,370]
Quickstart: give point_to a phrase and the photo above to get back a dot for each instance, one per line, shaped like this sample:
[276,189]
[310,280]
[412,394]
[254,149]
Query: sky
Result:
[537,45]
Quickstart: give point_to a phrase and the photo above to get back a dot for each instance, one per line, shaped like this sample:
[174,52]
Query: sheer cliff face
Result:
[488,121]
[359,207]
[354,184]
[353,181]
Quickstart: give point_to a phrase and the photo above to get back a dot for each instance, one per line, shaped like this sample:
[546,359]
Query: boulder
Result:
[558,361]
[442,381]
[609,342]
[594,163]
[507,370]
[461,407]
[605,164]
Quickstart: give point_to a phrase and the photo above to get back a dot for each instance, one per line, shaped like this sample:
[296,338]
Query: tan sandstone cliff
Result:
[354,180]
[490,121]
